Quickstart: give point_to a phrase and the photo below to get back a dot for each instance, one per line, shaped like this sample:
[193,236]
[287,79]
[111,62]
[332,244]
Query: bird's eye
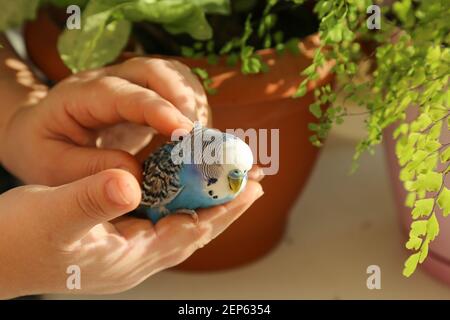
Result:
[235,173]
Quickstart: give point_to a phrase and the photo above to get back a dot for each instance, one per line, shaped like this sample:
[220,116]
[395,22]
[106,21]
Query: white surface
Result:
[339,226]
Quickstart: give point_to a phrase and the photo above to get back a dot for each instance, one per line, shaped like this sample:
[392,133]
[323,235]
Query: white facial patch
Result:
[236,155]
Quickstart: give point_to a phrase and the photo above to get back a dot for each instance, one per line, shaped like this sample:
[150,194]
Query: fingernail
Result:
[186,123]
[118,192]
[260,193]
[261,173]
[257,174]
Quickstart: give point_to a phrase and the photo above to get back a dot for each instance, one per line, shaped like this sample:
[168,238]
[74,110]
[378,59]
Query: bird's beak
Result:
[235,183]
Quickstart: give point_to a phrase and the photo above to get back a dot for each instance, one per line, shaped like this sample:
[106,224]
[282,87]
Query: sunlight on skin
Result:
[27,79]
[138,249]
[166,78]
[178,231]
[71,117]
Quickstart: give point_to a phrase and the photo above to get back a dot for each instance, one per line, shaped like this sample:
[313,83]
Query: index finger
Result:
[110,100]
[173,80]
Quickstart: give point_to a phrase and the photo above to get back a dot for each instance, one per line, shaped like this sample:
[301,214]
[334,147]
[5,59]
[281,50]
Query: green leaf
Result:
[227,47]
[432,227]
[106,26]
[246,52]
[432,145]
[411,264]
[313,126]
[444,201]
[410,199]
[187,51]
[407,173]
[214,6]
[309,70]
[177,16]
[66,3]
[301,89]
[202,73]
[445,155]
[314,139]
[421,122]
[278,37]
[402,10]
[315,109]
[99,41]
[422,208]
[279,48]
[323,7]
[419,228]
[16,12]
[232,59]
[267,41]
[208,89]
[435,131]
[430,181]
[206,80]
[292,46]
[413,243]
[194,23]
[251,65]
[335,34]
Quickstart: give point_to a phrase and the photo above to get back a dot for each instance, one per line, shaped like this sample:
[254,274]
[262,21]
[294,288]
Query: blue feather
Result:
[192,196]
[169,187]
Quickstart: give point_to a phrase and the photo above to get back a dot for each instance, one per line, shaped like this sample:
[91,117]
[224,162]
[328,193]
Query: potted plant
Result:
[251,61]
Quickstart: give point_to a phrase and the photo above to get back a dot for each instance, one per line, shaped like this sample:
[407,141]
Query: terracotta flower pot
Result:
[258,101]
[438,261]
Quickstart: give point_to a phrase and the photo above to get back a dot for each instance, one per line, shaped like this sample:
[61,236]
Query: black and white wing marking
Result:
[211,145]
[161,183]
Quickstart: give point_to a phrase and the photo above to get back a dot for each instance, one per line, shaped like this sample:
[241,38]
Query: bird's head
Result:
[224,162]
[238,160]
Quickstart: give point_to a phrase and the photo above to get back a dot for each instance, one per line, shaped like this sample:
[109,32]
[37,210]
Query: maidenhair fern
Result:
[412,68]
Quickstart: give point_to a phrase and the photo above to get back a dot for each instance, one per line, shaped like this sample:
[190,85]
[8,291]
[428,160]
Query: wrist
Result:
[5,127]
[11,115]
[18,89]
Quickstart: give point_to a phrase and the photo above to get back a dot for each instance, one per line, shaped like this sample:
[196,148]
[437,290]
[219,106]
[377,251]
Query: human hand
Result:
[45,230]
[54,141]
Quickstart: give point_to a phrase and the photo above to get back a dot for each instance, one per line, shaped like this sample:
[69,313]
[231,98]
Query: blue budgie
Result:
[202,169]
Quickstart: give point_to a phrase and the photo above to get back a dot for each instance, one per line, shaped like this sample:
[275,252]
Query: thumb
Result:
[77,207]
[80,162]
